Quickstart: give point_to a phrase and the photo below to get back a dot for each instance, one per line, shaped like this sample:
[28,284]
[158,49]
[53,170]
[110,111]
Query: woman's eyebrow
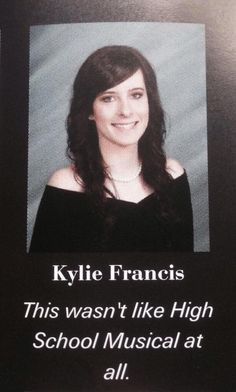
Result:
[107,92]
[130,89]
[137,88]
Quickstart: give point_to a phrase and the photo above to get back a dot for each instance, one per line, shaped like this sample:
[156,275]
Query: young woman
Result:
[120,193]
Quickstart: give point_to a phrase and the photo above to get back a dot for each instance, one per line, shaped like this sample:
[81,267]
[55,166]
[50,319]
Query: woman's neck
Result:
[123,163]
[120,160]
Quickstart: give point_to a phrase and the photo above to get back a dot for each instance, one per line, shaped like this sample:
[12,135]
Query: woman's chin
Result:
[125,142]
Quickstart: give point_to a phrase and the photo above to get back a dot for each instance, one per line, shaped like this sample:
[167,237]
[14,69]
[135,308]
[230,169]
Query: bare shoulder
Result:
[65,179]
[174,168]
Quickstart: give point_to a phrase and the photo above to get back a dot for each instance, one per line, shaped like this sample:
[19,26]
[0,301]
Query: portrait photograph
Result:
[139,213]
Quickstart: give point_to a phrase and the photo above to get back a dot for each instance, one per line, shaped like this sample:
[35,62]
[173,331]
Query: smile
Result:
[128,125]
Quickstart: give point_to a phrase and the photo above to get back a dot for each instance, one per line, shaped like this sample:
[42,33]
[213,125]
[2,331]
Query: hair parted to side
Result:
[103,69]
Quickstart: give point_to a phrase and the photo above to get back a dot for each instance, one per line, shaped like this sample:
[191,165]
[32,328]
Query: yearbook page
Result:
[118,195]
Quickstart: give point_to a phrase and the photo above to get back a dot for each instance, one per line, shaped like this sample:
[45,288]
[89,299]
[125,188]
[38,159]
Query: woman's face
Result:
[121,113]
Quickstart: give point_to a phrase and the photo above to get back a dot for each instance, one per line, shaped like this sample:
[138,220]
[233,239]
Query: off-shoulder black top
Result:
[67,221]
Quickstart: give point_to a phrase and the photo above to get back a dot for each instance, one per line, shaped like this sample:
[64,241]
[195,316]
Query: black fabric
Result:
[67,221]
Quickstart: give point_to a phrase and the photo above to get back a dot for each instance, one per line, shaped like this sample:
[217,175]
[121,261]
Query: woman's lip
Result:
[125,125]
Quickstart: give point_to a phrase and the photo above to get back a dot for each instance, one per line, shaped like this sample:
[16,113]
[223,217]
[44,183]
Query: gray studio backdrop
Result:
[177,53]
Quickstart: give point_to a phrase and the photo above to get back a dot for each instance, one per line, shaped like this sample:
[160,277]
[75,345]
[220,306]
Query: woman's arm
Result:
[51,226]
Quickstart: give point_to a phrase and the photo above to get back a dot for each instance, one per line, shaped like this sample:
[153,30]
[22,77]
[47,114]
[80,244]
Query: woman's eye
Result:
[137,95]
[108,98]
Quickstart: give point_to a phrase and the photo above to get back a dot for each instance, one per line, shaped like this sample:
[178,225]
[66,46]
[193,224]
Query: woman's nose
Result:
[125,108]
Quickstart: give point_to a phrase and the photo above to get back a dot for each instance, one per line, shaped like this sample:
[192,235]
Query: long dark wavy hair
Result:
[103,69]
